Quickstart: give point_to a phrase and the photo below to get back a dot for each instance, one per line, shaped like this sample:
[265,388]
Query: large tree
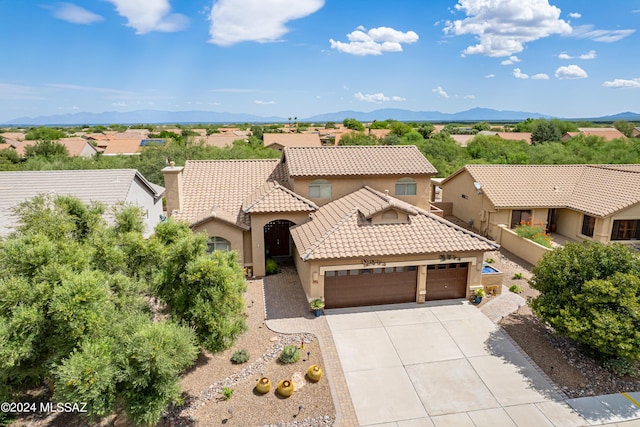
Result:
[545,131]
[74,313]
[590,292]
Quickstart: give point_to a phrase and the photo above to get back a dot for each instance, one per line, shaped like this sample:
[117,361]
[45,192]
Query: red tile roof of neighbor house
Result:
[218,188]
[340,229]
[219,140]
[598,190]
[356,161]
[291,139]
[74,146]
[516,136]
[123,146]
[606,133]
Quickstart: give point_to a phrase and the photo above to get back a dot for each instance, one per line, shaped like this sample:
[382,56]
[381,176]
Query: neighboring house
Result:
[76,147]
[607,133]
[220,140]
[278,141]
[356,220]
[636,132]
[126,147]
[462,140]
[108,186]
[581,202]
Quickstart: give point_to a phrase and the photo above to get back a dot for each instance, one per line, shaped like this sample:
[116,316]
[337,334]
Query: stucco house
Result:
[108,186]
[580,202]
[355,220]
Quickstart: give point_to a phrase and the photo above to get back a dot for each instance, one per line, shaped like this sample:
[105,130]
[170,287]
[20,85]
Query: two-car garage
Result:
[392,285]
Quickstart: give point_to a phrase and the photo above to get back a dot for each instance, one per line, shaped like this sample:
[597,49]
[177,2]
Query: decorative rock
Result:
[298,380]
[274,339]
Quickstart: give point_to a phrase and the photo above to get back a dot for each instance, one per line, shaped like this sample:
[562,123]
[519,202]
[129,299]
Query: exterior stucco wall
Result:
[569,224]
[233,234]
[140,196]
[467,205]
[524,248]
[341,186]
[258,221]
[312,274]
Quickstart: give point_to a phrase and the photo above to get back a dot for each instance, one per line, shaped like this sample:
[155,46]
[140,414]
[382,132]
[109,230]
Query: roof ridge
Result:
[296,195]
[330,232]
[393,202]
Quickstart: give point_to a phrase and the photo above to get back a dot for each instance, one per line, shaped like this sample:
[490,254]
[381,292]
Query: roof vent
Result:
[556,188]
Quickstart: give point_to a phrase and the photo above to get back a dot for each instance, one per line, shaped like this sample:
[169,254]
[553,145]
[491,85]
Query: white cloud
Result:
[150,15]
[89,89]
[618,83]
[376,98]
[118,104]
[604,36]
[440,92]
[589,55]
[374,41]
[12,91]
[233,90]
[570,72]
[263,21]
[71,13]
[512,60]
[575,15]
[519,74]
[540,76]
[264,102]
[502,27]
[564,55]
[489,76]
[469,97]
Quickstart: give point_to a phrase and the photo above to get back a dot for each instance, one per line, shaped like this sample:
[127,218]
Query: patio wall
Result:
[524,248]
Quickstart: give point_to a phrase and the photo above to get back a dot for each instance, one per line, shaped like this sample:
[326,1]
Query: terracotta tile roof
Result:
[516,136]
[291,139]
[219,140]
[340,229]
[218,188]
[356,160]
[273,197]
[606,133]
[74,146]
[462,140]
[123,146]
[598,190]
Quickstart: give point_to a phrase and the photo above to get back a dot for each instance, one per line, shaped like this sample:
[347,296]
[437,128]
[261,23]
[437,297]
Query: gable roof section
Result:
[123,147]
[273,197]
[218,188]
[606,133]
[356,161]
[598,190]
[291,139]
[339,229]
[107,186]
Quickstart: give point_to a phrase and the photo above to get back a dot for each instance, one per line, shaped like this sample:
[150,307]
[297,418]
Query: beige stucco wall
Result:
[341,186]
[312,272]
[569,224]
[467,204]
[524,248]
[258,221]
[173,187]
[227,231]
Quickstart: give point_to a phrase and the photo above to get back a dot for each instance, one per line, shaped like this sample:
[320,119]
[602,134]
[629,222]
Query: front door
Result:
[276,238]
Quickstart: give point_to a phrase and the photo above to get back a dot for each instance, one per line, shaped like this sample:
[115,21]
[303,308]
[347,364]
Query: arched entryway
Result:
[277,240]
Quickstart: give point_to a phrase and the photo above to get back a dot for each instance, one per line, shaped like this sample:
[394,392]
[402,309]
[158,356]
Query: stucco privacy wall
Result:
[312,273]
[524,248]
[341,186]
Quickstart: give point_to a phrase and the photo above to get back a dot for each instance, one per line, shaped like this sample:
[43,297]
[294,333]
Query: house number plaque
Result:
[371,261]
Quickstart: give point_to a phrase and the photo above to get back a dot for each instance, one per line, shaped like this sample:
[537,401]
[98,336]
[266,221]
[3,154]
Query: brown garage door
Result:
[446,281]
[371,286]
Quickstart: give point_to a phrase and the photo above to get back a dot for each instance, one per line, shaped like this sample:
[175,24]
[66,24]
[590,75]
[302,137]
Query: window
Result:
[406,187]
[330,273]
[412,268]
[626,229]
[388,269]
[342,272]
[588,224]
[218,244]
[518,217]
[320,189]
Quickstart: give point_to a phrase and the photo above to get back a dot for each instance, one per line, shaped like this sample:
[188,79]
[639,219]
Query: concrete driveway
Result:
[440,364]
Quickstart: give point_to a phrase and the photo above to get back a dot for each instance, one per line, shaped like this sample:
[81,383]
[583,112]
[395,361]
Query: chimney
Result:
[173,187]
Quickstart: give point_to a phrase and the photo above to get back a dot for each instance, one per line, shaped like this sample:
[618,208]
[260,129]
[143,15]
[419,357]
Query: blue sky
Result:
[566,58]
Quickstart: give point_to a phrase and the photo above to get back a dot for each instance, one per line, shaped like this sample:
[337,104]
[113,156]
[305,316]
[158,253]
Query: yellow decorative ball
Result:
[285,388]
[314,373]
[263,385]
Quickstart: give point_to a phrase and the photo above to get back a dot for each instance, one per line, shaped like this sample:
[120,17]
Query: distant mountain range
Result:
[157,117]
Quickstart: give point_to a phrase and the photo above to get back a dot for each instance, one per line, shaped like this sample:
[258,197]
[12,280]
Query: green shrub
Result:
[290,354]
[516,289]
[227,392]
[622,367]
[240,356]
[489,260]
[271,267]
[535,233]
[518,276]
